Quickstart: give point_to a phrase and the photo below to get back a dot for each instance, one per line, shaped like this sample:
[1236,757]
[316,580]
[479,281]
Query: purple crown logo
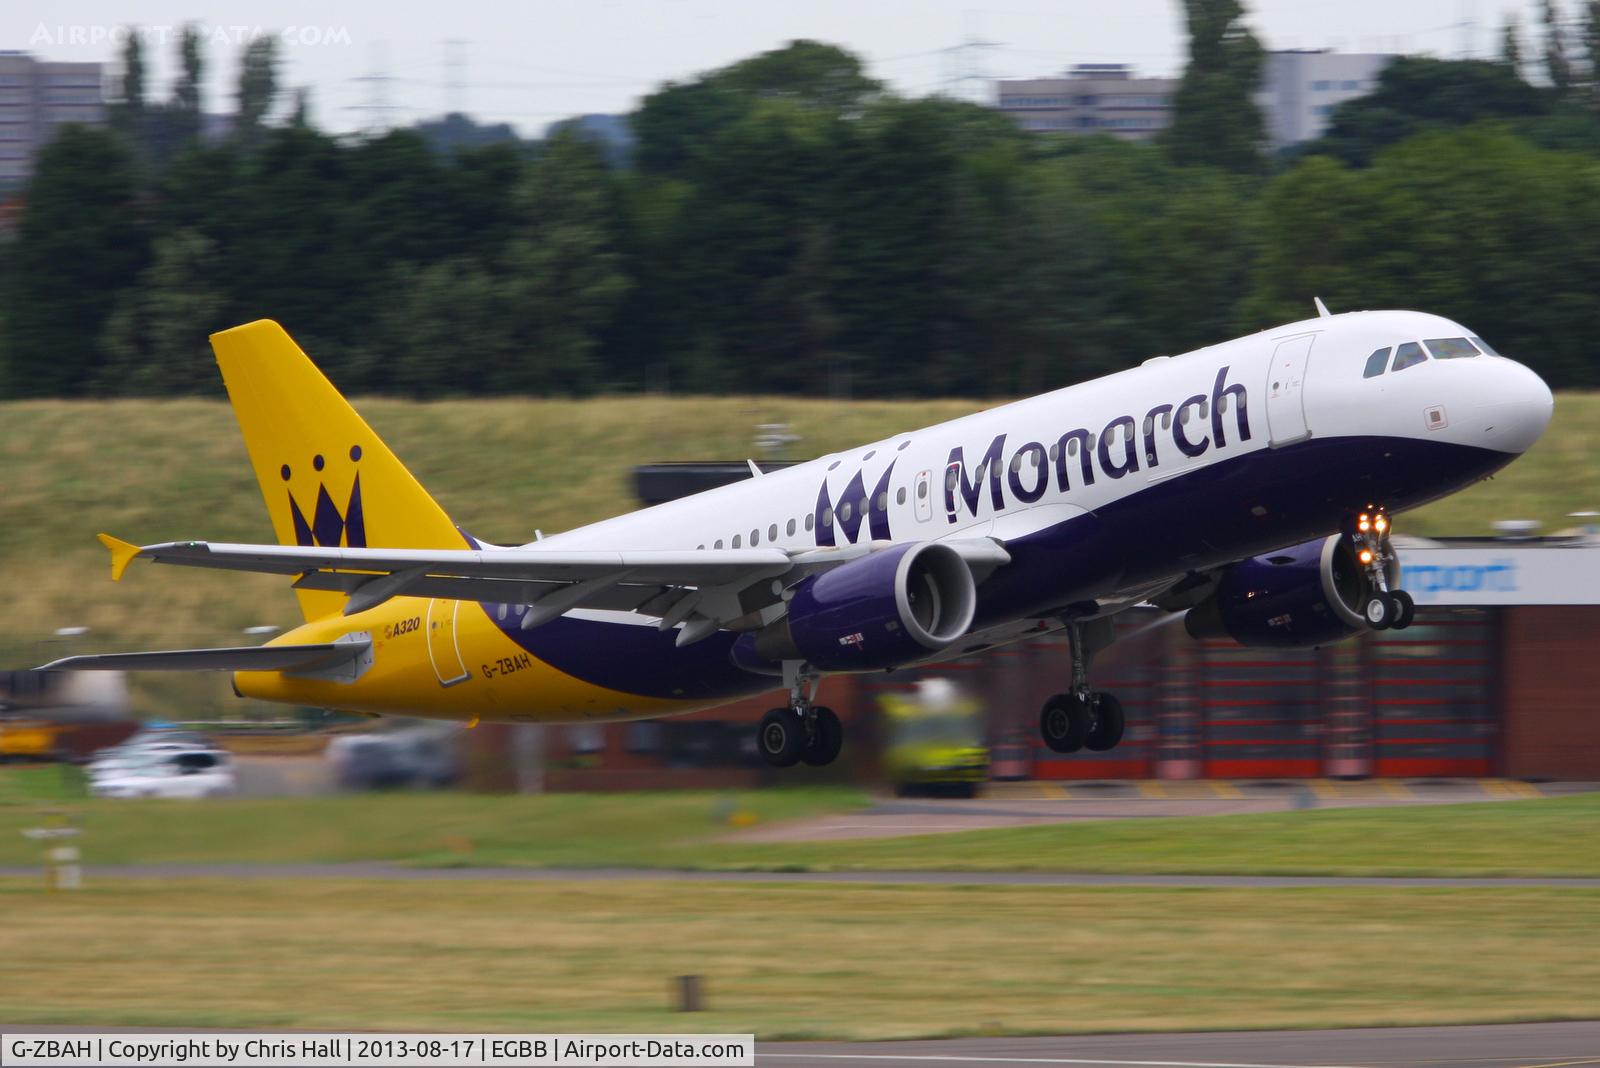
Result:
[329,527]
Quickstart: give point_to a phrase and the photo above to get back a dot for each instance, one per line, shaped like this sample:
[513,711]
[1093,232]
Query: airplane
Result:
[1248,485]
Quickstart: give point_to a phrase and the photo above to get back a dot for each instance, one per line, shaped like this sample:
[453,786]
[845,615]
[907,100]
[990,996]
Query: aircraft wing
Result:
[706,589]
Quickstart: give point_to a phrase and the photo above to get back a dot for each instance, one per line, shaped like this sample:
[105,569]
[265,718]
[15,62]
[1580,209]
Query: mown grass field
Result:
[787,961]
[552,830]
[1552,837]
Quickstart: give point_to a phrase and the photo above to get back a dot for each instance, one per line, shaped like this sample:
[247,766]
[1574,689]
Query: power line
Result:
[379,111]
[455,76]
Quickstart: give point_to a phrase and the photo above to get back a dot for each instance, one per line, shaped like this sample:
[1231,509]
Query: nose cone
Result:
[1517,406]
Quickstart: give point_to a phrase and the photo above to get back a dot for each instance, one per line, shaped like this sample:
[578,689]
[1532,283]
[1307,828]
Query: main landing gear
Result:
[803,732]
[1385,608]
[1082,718]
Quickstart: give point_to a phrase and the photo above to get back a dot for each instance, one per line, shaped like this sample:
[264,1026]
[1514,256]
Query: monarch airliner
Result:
[1248,485]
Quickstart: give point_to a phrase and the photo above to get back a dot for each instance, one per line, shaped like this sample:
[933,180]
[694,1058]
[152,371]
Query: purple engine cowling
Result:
[1305,595]
[884,609]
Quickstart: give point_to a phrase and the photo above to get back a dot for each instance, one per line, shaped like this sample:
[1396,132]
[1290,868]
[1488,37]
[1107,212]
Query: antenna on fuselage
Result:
[1322,309]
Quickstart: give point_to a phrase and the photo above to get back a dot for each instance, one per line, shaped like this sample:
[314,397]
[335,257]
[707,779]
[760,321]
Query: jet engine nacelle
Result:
[1306,595]
[888,608]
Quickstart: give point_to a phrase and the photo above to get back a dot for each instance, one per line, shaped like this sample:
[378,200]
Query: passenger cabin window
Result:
[1408,355]
[1376,363]
[1450,348]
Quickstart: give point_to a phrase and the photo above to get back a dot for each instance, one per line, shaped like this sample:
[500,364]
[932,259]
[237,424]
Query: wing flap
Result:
[669,567]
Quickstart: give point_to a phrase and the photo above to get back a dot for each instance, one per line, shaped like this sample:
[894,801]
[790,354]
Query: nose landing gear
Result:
[1385,608]
[1082,718]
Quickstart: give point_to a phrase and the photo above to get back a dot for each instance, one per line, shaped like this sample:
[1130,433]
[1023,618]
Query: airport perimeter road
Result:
[380,870]
[1544,1045]
[1035,803]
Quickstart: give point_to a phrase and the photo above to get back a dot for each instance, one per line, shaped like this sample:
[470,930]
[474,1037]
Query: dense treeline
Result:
[786,224]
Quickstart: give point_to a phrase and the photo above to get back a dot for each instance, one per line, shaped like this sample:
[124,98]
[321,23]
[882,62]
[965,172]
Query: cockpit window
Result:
[1375,363]
[1451,348]
[1407,355]
[1484,346]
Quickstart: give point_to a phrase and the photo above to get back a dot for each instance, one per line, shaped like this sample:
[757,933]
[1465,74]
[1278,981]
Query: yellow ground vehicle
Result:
[27,739]
[934,740]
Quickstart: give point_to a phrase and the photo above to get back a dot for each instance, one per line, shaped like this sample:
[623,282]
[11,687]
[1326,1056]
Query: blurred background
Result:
[575,258]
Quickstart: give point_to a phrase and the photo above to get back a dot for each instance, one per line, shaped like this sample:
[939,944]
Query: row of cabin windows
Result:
[1411,353]
[848,509]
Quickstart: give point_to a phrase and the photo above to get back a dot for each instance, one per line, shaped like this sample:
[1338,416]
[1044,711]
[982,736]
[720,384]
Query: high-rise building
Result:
[1300,89]
[1091,98]
[37,97]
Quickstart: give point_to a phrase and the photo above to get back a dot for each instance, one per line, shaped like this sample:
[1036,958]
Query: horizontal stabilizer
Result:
[291,658]
[122,554]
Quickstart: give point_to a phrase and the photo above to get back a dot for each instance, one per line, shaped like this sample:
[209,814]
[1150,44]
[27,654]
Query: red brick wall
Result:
[1551,693]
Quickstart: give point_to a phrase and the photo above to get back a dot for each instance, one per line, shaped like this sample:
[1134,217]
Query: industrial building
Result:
[1301,87]
[1298,92]
[1104,98]
[37,97]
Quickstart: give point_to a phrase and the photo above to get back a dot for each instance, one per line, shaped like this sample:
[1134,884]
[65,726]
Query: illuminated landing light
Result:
[1366,556]
[1381,524]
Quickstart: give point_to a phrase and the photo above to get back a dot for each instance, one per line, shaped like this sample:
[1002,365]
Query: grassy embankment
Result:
[1559,837]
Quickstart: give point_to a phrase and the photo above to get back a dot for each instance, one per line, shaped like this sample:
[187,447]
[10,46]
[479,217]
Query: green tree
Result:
[675,124]
[1591,49]
[1557,64]
[258,87]
[80,242]
[563,274]
[444,315]
[1215,118]
[155,340]
[1417,93]
[1511,44]
[186,93]
[1316,243]
[127,113]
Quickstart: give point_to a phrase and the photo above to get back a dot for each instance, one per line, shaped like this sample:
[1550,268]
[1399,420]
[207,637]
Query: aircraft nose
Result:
[1517,406]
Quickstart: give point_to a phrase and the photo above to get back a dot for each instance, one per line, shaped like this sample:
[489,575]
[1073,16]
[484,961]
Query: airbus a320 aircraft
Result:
[1248,484]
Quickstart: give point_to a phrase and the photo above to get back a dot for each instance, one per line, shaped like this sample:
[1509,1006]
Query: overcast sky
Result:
[537,61]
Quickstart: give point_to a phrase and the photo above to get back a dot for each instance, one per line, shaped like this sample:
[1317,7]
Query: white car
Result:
[168,773]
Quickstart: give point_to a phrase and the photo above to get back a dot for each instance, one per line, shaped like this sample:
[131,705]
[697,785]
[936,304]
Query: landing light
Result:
[1382,524]
[1366,556]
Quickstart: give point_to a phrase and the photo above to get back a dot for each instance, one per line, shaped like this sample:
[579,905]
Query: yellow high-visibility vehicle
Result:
[934,740]
[28,740]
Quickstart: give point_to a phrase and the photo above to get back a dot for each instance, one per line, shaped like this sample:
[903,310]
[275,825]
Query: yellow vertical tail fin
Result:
[327,478]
